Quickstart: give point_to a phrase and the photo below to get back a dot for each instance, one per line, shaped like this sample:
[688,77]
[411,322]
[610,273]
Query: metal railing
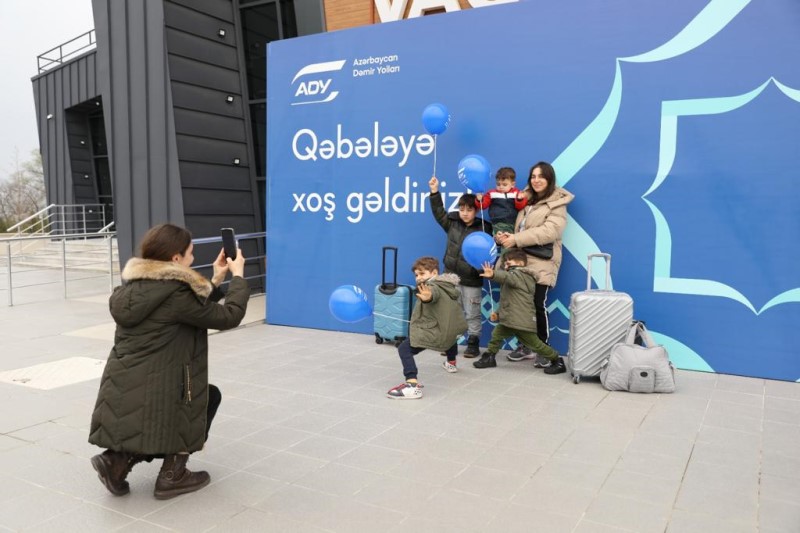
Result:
[239,238]
[66,51]
[110,262]
[9,260]
[59,219]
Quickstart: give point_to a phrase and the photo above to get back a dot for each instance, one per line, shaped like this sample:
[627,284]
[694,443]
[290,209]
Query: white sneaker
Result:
[405,391]
[450,367]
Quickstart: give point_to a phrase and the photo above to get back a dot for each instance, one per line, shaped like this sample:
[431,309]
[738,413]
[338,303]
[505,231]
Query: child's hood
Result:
[448,282]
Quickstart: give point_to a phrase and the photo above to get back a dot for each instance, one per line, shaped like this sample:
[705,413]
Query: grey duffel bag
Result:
[635,368]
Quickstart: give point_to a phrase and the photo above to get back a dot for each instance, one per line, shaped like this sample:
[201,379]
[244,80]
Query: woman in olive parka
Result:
[154,399]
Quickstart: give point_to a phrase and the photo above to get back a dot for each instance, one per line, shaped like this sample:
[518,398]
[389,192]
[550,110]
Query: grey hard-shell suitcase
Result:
[598,319]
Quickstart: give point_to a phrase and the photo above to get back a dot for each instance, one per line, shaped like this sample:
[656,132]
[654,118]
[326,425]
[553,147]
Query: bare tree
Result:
[22,193]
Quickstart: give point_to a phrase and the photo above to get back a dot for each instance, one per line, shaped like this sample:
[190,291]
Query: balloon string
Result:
[391,317]
[434,154]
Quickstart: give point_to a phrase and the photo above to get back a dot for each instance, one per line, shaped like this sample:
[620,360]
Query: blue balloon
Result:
[435,118]
[474,173]
[479,248]
[349,303]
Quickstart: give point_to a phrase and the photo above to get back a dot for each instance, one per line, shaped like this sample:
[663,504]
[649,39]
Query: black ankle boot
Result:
[486,361]
[473,350]
[556,367]
[175,479]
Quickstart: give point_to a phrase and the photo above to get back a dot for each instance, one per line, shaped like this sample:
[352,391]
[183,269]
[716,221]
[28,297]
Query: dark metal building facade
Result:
[166,119]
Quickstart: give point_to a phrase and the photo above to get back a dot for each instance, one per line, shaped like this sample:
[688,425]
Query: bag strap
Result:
[639,327]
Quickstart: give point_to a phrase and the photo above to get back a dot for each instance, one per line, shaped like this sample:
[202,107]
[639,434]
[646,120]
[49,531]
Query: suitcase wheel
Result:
[398,341]
[378,339]
[576,378]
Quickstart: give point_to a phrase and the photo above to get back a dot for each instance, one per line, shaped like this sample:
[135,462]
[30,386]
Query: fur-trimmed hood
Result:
[137,268]
[148,284]
[447,282]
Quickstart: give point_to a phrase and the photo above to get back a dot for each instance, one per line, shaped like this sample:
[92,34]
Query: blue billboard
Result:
[675,124]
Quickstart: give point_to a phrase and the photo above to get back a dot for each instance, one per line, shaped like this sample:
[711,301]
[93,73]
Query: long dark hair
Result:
[162,242]
[548,173]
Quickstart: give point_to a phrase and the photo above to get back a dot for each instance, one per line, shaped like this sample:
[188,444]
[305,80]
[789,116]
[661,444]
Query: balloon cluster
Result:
[349,303]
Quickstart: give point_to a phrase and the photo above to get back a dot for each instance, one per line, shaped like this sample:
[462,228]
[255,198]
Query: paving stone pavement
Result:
[306,441]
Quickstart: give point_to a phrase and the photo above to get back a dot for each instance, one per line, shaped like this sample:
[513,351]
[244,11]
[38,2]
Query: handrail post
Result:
[8,255]
[64,263]
[83,212]
[111,262]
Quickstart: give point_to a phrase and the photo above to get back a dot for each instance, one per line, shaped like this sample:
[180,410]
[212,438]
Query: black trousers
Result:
[214,399]
[540,305]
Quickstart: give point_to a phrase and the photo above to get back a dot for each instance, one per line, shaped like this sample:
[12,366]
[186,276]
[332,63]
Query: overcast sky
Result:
[30,28]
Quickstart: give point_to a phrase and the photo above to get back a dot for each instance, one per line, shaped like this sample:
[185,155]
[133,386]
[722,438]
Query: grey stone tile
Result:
[142,526]
[323,447]
[201,511]
[542,491]
[581,474]
[782,389]
[407,496]
[780,488]
[536,439]
[11,488]
[494,484]
[653,464]
[86,517]
[595,445]
[236,455]
[628,514]
[355,430]
[428,470]
[739,398]
[587,526]
[514,462]
[257,520]
[631,485]
[244,487]
[780,465]
[515,518]
[34,508]
[312,422]
[375,458]
[679,447]
[285,466]
[685,522]
[337,479]
[723,478]
[741,384]
[727,457]
[458,509]
[403,440]
[277,437]
[723,505]
[778,516]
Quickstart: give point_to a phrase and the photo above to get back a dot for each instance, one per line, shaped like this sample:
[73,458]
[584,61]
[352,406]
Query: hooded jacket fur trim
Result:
[137,268]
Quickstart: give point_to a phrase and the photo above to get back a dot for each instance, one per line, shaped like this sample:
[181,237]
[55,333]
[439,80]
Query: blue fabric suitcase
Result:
[392,306]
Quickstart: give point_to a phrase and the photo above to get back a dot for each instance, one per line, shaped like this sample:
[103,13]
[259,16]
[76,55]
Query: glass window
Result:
[258,118]
[259,27]
[103,177]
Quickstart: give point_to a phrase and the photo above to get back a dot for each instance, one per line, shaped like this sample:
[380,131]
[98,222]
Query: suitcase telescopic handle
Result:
[607,257]
[383,268]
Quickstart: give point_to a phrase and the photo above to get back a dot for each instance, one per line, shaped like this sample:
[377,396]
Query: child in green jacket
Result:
[516,313]
[436,323]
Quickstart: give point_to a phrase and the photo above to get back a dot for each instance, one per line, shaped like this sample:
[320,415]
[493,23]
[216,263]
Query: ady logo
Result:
[316,90]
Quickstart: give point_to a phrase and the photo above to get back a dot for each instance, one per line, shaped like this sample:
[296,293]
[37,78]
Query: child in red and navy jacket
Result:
[503,201]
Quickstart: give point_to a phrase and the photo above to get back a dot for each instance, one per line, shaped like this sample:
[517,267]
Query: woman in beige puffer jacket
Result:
[542,221]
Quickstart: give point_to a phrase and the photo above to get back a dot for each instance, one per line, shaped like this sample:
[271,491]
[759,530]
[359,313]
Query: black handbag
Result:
[542,251]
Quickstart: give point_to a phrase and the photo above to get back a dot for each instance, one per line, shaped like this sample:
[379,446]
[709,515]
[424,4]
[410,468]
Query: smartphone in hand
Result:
[229,242]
